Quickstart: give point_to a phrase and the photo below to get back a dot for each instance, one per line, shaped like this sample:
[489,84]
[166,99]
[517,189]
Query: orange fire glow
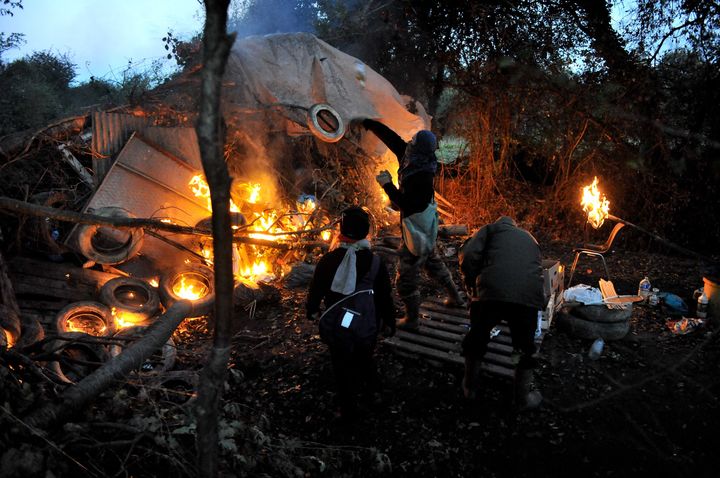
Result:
[125,319]
[596,207]
[190,289]
[87,324]
[201,189]
[8,338]
[254,263]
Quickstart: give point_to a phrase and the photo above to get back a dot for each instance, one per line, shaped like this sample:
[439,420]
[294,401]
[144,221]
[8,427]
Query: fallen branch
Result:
[16,207]
[76,165]
[661,240]
[112,372]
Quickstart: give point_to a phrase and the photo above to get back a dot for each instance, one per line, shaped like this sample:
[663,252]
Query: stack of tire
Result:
[595,321]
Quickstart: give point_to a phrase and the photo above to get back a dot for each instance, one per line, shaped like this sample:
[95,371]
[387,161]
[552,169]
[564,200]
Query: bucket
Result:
[712,291]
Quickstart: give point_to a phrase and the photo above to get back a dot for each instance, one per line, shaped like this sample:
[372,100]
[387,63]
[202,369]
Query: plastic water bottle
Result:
[644,289]
[702,306]
[596,349]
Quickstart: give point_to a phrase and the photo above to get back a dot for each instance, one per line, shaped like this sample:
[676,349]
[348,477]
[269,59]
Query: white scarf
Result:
[346,274]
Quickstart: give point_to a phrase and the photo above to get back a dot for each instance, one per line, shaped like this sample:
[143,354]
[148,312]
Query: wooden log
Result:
[13,206]
[453,230]
[438,306]
[113,372]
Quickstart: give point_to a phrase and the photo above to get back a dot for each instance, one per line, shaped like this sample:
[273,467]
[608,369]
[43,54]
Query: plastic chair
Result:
[597,250]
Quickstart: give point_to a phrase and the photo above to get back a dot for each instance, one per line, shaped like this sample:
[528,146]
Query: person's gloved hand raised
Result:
[383,178]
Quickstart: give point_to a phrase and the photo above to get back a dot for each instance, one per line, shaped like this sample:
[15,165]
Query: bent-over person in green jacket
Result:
[502,271]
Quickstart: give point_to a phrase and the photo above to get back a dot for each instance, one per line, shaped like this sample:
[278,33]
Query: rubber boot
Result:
[454,298]
[412,313]
[527,397]
[469,381]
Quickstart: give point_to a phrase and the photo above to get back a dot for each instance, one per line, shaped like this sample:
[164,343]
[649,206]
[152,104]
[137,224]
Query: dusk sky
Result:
[101,36]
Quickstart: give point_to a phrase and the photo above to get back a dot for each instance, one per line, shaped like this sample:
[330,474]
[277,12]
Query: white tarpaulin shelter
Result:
[290,73]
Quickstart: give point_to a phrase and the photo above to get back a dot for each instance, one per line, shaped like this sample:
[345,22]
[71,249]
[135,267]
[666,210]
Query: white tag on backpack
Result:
[347,319]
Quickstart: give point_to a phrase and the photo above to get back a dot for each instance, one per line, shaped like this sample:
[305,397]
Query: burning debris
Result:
[595,205]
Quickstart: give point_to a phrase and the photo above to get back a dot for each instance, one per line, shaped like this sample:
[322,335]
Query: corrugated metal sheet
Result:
[179,142]
[110,132]
[151,184]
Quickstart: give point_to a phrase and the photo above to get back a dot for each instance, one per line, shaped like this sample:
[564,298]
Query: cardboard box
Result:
[554,277]
[554,285]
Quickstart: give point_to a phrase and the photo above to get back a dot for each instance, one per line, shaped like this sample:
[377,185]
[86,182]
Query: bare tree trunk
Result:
[216,48]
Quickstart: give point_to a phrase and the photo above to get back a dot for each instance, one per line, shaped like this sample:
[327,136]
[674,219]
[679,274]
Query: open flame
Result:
[596,207]
[256,263]
[124,319]
[8,338]
[190,288]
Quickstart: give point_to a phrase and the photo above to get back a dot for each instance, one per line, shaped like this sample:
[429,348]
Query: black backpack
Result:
[352,319]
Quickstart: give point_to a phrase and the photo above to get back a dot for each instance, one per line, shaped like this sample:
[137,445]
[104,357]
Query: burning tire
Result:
[194,282]
[134,300]
[325,123]
[161,361]
[78,357]
[106,245]
[92,318]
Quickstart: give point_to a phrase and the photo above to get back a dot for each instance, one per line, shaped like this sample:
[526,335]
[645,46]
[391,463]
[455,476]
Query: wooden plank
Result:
[488,367]
[453,347]
[437,306]
[503,346]
[429,341]
[452,319]
[458,329]
[441,334]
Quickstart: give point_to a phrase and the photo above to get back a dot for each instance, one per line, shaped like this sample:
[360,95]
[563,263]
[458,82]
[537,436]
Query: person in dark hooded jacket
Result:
[415,198]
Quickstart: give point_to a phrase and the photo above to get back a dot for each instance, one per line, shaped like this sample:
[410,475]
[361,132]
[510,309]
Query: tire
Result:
[591,330]
[112,255]
[92,309]
[157,363]
[320,128]
[202,306]
[109,296]
[601,314]
[90,352]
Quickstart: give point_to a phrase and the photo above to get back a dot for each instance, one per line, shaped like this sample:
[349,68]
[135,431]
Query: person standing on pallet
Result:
[415,198]
[501,268]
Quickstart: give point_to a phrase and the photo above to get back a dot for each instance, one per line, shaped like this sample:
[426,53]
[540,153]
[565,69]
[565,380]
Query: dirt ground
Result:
[649,405]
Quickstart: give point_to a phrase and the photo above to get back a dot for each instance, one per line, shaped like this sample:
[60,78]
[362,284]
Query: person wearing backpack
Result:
[415,198]
[354,285]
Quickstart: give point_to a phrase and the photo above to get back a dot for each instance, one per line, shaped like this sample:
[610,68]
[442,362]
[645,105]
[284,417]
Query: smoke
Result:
[263,17]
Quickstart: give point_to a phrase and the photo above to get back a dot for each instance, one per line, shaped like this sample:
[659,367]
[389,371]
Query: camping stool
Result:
[595,250]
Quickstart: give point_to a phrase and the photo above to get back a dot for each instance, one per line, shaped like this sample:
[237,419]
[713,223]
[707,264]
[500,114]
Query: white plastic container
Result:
[702,306]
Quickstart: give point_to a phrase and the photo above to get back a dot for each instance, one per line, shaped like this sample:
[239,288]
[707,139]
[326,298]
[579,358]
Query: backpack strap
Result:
[369,279]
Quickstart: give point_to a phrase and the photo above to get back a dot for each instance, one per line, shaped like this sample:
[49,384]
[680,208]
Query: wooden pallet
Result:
[440,336]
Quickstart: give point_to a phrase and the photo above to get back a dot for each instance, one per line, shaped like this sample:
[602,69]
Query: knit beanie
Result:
[355,223]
